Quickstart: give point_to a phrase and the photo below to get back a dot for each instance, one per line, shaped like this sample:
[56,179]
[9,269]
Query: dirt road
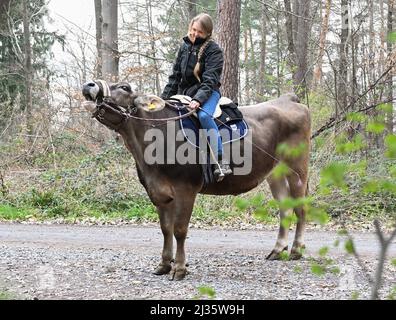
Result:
[115,262]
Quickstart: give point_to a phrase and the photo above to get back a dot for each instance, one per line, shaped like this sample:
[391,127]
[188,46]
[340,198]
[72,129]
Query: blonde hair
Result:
[206,23]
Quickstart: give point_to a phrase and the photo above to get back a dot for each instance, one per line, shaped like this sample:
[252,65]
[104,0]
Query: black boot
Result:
[222,170]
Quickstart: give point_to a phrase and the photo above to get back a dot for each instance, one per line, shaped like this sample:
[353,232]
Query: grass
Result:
[8,212]
[6,296]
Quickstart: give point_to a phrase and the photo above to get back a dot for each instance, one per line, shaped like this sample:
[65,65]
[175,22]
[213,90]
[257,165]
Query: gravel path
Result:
[115,262]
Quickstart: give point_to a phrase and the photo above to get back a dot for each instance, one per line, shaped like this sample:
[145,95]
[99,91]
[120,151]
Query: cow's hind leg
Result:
[280,190]
[298,189]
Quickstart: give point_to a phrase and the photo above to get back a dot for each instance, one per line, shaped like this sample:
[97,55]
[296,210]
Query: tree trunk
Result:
[322,39]
[138,47]
[99,40]
[289,33]
[228,28]
[192,9]
[372,58]
[28,70]
[110,40]
[246,63]
[153,47]
[279,60]
[263,53]
[301,42]
[391,77]
[298,29]
[252,66]
[343,62]
[382,38]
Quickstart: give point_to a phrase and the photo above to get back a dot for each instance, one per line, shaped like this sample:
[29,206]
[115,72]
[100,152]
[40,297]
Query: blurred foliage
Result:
[205,292]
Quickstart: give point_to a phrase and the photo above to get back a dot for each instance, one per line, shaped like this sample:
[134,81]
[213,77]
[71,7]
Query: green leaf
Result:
[319,142]
[288,220]
[257,201]
[375,186]
[298,269]
[359,167]
[375,127]
[323,251]
[333,175]
[284,256]
[355,295]
[392,171]
[390,142]
[392,294]
[317,215]
[281,170]
[317,269]
[288,203]
[242,204]
[285,150]
[393,262]
[342,232]
[356,117]
[345,147]
[335,270]
[386,107]
[336,243]
[207,291]
[349,246]
[392,37]
[371,187]
[389,186]
[262,214]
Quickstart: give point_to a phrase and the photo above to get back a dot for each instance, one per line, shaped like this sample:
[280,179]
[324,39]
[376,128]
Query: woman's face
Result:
[197,31]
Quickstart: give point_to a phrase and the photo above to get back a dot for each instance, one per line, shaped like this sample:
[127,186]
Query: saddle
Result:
[229,119]
[226,110]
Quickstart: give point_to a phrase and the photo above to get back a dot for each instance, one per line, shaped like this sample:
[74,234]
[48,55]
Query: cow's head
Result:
[113,102]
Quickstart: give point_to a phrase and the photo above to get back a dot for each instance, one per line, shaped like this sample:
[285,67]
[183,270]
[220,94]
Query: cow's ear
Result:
[150,103]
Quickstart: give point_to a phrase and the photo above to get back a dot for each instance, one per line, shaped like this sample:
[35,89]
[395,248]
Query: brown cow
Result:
[173,187]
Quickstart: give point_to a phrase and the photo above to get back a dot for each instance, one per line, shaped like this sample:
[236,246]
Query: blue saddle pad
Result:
[230,131]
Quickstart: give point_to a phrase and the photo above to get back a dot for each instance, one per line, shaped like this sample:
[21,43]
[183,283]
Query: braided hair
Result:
[200,53]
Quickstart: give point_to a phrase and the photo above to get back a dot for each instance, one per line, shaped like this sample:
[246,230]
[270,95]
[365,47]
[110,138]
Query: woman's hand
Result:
[194,104]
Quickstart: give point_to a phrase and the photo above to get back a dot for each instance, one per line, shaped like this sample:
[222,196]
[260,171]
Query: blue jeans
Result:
[205,117]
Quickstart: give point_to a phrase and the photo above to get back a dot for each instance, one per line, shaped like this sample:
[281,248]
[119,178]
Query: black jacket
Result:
[182,79]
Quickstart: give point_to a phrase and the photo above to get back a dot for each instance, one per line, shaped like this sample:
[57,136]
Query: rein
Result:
[104,106]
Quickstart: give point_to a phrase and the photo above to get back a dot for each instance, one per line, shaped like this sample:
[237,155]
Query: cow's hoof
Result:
[178,274]
[162,269]
[276,254]
[297,253]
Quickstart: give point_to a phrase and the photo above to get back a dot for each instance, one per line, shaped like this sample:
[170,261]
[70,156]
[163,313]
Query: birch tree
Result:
[110,40]
[99,40]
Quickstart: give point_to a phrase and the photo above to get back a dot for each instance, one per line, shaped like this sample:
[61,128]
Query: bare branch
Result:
[334,121]
[382,258]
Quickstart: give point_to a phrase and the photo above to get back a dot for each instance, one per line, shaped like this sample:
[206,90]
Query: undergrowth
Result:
[79,181]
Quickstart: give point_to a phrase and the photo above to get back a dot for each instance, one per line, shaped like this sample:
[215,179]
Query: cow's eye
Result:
[126,88]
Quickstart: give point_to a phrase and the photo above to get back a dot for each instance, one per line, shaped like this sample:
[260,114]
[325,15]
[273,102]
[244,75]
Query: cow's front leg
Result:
[166,215]
[185,205]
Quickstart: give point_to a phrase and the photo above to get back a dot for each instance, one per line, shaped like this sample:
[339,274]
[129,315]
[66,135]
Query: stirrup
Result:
[223,169]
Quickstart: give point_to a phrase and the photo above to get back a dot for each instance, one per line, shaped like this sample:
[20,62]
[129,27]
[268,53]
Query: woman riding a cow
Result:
[196,73]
